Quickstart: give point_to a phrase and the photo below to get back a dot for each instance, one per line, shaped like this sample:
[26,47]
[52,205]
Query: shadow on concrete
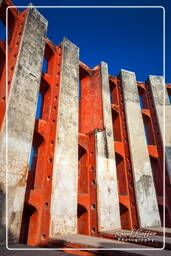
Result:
[3,250]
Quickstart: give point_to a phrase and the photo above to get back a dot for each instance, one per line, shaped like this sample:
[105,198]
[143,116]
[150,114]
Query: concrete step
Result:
[24,250]
[101,246]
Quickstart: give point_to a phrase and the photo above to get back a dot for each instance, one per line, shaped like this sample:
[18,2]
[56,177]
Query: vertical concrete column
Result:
[20,119]
[143,178]
[107,189]
[65,171]
[161,102]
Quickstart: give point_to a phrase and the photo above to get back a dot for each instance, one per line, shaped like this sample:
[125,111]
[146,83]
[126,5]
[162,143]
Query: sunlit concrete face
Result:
[107,193]
[20,119]
[143,179]
[107,189]
[163,111]
[65,171]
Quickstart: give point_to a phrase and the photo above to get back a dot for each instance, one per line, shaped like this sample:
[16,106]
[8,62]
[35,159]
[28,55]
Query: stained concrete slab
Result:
[107,193]
[20,119]
[24,250]
[108,246]
[65,170]
[147,207]
[107,188]
[163,111]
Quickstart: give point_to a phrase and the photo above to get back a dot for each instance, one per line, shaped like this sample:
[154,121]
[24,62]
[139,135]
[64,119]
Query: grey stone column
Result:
[143,178]
[65,170]
[107,188]
[162,106]
[17,132]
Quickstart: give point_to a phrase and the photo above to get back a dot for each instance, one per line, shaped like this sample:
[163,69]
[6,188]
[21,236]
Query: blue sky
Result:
[131,39]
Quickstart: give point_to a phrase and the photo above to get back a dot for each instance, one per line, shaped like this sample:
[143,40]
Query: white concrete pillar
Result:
[143,178]
[65,170]
[20,119]
[107,188]
[162,106]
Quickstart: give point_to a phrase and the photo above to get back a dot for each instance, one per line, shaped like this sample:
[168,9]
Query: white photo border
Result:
[82,249]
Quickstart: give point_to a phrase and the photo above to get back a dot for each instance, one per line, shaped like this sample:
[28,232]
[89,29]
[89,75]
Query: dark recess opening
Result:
[167,217]
[148,130]
[82,170]
[28,213]
[113,92]
[2,62]
[82,216]
[124,213]
[142,97]
[121,174]
[169,93]
[116,126]
[155,165]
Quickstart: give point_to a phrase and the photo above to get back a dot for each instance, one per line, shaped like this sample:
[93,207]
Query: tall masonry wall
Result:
[17,129]
[97,153]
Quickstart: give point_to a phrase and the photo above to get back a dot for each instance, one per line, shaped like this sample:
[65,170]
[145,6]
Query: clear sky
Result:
[130,39]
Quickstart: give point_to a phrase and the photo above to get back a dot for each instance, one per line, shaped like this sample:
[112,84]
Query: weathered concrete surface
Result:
[107,188]
[161,100]
[107,193]
[65,171]
[109,246]
[24,250]
[20,121]
[143,179]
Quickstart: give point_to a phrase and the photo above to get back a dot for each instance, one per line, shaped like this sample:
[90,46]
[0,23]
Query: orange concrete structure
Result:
[15,29]
[39,183]
[87,175]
